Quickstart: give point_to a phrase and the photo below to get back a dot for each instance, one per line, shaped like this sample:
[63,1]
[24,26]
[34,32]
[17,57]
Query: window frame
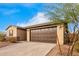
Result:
[11,32]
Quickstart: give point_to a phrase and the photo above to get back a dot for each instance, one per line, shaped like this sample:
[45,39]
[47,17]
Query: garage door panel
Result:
[44,35]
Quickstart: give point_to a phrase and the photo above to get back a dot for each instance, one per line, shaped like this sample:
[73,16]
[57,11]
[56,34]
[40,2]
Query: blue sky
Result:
[21,14]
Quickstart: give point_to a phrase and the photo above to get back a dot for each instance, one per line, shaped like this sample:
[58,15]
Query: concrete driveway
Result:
[27,49]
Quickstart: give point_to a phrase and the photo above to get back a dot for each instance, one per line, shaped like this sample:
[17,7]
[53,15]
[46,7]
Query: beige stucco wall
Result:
[21,34]
[14,31]
[60,34]
[28,35]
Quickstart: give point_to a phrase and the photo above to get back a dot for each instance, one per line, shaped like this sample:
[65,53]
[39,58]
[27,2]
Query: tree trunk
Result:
[73,44]
[59,46]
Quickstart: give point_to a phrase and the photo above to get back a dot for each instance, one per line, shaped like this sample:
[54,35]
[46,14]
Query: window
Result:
[10,32]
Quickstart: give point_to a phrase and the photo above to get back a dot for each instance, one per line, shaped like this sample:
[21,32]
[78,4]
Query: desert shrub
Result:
[76,47]
[11,39]
[2,37]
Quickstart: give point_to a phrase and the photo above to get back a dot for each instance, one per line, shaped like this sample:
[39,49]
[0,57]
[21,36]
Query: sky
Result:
[22,14]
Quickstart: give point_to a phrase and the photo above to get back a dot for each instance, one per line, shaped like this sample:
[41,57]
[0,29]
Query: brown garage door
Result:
[44,35]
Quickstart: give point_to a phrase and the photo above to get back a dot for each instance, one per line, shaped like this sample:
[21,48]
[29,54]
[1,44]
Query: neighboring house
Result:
[46,32]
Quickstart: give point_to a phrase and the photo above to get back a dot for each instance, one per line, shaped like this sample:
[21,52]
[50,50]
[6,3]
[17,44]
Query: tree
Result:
[67,14]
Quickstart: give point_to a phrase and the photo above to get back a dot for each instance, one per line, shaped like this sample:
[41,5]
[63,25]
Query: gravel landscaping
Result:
[55,51]
[4,44]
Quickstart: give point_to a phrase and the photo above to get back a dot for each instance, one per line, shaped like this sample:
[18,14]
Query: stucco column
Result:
[60,34]
[28,35]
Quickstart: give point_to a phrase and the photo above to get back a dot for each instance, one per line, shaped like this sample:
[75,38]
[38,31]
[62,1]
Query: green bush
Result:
[11,39]
[76,47]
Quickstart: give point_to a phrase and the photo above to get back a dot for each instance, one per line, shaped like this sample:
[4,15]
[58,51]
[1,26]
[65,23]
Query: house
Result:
[15,31]
[46,32]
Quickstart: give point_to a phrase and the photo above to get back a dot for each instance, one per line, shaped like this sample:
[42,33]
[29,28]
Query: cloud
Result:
[38,19]
[28,4]
[23,24]
[9,12]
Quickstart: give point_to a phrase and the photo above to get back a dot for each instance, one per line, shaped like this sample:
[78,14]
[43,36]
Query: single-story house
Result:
[46,32]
